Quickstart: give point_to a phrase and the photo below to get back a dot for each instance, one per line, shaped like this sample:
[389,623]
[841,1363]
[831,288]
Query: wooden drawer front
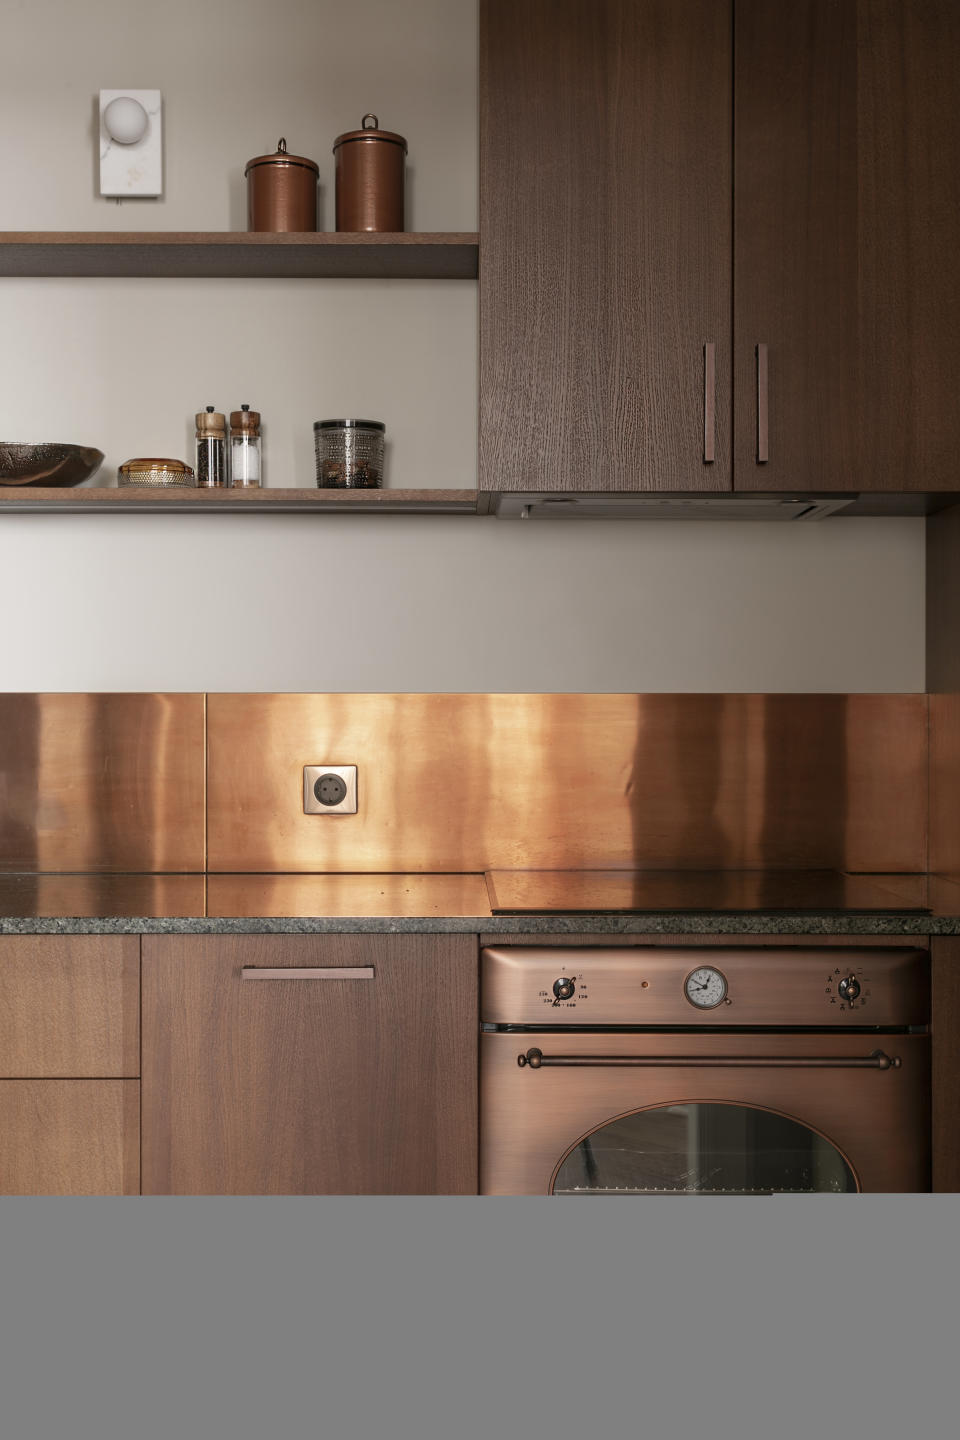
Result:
[69,1006]
[359,1078]
[69,1137]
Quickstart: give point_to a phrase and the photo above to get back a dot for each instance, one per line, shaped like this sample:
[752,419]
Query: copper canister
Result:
[281,191]
[369,178]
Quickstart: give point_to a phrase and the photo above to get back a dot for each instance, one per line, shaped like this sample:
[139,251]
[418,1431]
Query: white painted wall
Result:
[451,603]
[350,603]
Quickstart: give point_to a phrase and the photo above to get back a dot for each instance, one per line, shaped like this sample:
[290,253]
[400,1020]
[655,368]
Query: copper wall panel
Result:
[102,782]
[477,782]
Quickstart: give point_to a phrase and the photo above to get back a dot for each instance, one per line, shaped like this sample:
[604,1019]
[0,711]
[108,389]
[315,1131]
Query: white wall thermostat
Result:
[131,143]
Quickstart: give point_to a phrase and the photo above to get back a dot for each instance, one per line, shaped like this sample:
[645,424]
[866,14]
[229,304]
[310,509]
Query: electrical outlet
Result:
[329,789]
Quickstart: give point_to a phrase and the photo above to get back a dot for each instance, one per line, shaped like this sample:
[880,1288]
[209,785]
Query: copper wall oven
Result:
[679,1070]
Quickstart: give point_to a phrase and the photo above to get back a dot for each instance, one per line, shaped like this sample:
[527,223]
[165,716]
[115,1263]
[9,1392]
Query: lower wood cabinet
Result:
[357,1075]
[69,1061]
[69,1137]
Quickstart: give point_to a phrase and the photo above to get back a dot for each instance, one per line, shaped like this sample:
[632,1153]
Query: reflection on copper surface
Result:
[102,782]
[90,896]
[267,896]
[594,891]
[476,782]
[945,784]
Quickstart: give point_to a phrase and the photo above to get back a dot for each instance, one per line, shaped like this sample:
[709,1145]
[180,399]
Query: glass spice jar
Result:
[212,450]
[349,454]
[245,466]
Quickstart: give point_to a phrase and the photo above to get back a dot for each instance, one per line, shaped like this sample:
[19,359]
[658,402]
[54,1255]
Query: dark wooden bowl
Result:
[47,464]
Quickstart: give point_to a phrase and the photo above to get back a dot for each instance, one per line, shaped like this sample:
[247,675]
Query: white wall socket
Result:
[136,167]
[329,789]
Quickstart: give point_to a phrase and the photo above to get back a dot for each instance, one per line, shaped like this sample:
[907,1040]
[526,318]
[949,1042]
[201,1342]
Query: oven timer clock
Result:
[706,987]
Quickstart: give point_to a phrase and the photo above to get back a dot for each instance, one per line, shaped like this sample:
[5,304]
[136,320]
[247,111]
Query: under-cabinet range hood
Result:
[657,506]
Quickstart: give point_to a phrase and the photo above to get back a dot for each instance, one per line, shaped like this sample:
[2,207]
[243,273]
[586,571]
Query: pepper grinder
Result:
[211,450]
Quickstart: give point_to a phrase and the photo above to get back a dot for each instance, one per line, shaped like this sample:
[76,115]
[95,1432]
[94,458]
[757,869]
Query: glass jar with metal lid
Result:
[349,454]
[154,474]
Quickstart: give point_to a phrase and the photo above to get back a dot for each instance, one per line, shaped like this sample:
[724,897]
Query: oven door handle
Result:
[876,1060]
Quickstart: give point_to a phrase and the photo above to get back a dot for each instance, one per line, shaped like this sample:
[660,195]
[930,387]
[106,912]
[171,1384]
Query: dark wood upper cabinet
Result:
[605,243]
[358,1078]
[619,138]
[846,229]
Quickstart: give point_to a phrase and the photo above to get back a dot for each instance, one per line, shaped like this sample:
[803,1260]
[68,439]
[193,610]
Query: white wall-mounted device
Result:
[131,143]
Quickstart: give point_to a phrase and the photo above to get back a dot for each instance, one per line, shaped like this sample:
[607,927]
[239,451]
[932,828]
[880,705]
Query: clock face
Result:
[705,987]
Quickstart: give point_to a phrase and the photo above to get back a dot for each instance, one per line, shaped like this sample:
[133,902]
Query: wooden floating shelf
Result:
[34,500]
[239,255]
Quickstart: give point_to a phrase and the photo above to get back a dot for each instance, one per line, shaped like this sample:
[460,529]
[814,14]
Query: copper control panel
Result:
[691,986]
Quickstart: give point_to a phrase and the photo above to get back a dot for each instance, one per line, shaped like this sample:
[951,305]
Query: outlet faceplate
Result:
[320,780]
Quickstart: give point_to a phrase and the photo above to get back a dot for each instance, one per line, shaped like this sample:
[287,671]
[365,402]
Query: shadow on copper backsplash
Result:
[453,783]
[465,783]
[102,783]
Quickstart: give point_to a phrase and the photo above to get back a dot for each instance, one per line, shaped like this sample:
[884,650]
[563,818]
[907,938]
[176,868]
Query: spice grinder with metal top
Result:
[369,178]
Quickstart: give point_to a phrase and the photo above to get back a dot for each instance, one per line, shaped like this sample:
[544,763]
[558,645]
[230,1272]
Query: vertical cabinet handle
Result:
[709,402]
[304,972]
[763,428]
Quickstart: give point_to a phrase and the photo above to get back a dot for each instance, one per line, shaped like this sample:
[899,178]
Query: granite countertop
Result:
[502,903]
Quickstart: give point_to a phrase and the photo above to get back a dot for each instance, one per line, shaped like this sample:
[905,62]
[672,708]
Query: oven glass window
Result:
[708,1149]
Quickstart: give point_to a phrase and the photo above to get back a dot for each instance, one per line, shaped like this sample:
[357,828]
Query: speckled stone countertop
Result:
[505,903]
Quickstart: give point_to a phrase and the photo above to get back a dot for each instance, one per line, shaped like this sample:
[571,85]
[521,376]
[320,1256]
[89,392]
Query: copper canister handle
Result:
[763,419]
[709,402]
[304,972]
[877,1060]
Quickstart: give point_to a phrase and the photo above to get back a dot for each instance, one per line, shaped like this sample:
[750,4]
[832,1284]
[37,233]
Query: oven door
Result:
[668,1113]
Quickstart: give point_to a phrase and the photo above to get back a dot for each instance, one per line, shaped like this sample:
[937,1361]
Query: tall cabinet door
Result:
[846,285]
[605,244]
[309,1065]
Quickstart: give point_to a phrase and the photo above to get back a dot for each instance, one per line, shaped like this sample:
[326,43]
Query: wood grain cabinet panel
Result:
[360,1084]
[69,1137]
[847,224]
[605,243]
[69,1006]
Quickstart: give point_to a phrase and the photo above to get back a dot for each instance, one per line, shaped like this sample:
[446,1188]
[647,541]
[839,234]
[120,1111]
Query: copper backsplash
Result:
[102,782]
[480,782]
[464,783]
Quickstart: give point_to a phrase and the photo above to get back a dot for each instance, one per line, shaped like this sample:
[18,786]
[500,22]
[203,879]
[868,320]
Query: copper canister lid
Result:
[370,132]
[281,158]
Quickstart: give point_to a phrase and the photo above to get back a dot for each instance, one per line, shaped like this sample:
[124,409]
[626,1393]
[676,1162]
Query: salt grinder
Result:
[245,470]
[369,178]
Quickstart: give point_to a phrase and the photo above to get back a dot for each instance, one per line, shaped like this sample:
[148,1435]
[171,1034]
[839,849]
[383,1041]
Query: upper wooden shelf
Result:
[129,500]
[237,254]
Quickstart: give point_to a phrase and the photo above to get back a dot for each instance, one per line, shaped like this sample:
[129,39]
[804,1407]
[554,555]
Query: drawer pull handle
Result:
[709,402]
[293,972]
[877,1060]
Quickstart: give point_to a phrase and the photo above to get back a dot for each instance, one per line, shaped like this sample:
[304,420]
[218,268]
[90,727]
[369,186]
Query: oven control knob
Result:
[849,988]
[564,987]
